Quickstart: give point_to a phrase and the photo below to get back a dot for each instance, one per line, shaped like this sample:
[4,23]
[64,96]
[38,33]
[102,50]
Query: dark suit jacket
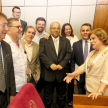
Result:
[24,24]
[9,70]
[48,56]
[77,56]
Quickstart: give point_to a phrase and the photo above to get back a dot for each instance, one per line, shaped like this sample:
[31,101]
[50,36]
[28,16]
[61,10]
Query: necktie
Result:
[2,76]
[85,50]
[56,46]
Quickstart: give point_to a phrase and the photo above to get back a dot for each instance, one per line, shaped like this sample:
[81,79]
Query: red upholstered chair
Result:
[27,97]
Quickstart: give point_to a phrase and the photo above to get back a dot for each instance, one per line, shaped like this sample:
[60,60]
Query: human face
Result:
[16,32]
[16,13]
[85,30]
[55,29]
[3,28]
[67,30]
[95,42]
[29,34]
[40,26]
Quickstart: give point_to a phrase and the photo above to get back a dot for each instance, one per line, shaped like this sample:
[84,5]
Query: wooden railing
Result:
[83,101]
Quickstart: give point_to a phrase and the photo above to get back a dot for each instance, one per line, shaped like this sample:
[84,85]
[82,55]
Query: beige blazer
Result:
[34,64]
[97,72]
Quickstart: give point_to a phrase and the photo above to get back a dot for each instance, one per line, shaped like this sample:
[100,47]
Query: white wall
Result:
[75,12]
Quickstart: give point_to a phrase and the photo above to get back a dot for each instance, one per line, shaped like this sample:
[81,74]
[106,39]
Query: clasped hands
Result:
[56,67]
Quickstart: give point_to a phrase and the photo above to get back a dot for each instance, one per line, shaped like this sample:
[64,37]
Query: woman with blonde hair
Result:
[95,66]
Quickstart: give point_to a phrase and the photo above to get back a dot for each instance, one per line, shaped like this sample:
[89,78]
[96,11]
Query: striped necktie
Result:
[2,75]
[86,50]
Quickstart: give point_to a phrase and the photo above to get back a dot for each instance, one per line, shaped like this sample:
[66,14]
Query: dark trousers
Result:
[33,81]
[3,100]
[70,91]
[81,84]
[49,90]
[40,85]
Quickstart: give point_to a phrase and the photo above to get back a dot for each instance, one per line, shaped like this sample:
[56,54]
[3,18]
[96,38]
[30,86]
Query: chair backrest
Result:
[83,101]
[27,97]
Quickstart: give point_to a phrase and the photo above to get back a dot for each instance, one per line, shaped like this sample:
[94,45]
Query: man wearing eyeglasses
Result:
[16,12]
[55,54]
[7,79]
[19,57]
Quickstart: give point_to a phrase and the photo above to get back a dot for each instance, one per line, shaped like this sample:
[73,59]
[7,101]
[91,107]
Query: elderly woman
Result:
[67,32]
[95,66]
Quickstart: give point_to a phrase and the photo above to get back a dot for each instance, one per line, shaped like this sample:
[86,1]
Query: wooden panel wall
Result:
[0,5]
[101,15]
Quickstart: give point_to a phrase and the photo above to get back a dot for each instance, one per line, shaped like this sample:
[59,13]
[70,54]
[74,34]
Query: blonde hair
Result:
[101,34]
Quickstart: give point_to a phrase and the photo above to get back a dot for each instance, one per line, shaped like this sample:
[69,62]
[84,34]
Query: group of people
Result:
[47,59]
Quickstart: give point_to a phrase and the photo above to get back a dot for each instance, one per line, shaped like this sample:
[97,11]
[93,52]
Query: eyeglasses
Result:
[19,27]
[17,12]
[55,28]
[3,25]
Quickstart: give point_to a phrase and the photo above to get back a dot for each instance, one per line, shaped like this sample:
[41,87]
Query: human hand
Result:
[59,67]
[94,95]
[46,36]
[53,67]
[69,77]
[28,71]
[11,98]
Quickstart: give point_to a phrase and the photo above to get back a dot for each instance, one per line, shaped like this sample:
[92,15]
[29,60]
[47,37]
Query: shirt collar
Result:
[43,33]
[55,38]
[85,40]
[29,44]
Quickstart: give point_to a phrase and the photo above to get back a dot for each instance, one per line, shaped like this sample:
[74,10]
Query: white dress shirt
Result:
[19,62]
[72,39]
[57,40]
[29,50]
[83,45]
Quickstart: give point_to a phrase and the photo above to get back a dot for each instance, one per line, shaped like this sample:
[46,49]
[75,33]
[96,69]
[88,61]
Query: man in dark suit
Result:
[7,89]
[55,54]
[78,55]
[16,12]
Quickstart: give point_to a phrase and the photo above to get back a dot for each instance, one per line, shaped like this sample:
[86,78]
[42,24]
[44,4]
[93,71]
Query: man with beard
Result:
[16,12]
[19,57]
[32,50]
[40,33]
[40,26]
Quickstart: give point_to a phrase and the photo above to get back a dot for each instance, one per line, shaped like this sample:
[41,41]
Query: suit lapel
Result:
[4,58]
[22,42]
[81,48]
[34,52]
[60,44]
[50,40]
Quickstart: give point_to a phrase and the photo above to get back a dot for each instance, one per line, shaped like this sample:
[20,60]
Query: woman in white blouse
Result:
[67,32]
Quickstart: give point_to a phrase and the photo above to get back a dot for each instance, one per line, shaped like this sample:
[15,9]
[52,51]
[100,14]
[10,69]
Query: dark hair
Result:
[86,24]
[29,27]
[101,34]
[40,19]
[14,8]
[3,15]
[63,30]
[11,20]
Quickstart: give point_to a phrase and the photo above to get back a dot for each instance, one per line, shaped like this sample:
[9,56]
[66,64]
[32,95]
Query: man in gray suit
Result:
[6,67]
[55,54]
[16,12]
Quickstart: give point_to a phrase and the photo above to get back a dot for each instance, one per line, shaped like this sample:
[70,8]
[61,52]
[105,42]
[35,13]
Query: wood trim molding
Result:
[0,5]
